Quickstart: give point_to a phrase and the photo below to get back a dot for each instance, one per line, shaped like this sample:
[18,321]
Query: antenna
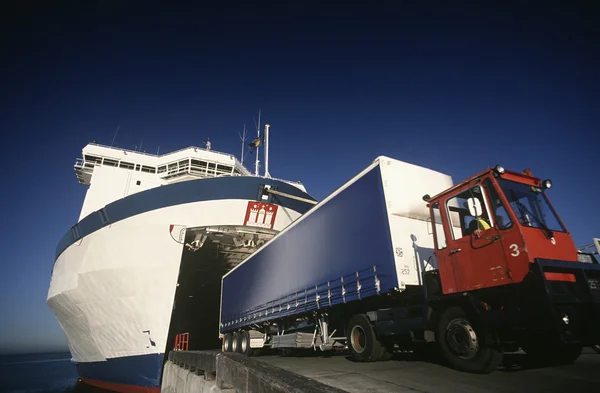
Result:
[243,139]
[115,136]
[258,135]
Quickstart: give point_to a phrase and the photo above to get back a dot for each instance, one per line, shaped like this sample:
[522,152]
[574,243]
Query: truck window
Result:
[438,227]
[500,212]
[462,223]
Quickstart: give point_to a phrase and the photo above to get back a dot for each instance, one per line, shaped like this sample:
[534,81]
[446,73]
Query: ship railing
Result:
[80,163]
[161,155]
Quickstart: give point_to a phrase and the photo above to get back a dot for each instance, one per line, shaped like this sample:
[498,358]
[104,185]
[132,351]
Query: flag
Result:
[256,143]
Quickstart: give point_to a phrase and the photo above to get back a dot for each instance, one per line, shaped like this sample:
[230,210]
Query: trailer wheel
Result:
[461,343]
[235,342]
[227,342]
[362,341]
[243,343]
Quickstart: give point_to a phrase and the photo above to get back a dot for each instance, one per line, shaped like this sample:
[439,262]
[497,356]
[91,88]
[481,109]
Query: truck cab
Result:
[494,225]
[500,243]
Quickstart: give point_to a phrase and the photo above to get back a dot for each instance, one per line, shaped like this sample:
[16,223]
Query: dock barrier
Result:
[214,371]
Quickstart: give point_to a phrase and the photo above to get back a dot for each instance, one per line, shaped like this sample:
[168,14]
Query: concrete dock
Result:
[309,371]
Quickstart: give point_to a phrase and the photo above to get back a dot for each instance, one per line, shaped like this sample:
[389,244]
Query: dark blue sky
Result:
[455,88]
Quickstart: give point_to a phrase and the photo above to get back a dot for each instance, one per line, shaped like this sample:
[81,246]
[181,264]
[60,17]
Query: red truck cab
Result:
[495,224]
[506,258]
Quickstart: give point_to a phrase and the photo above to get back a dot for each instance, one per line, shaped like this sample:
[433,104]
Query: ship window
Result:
[126,165]
[212,168]
[198,166]
[137,167]
[148,169]
[138,183]
[162,169]
[108,162]
[93,159]
[224,169]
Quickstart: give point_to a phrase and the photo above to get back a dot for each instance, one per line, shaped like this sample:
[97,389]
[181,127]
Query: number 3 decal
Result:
[515,250]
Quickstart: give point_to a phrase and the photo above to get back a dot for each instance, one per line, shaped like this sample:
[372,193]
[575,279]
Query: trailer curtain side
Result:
[338,252]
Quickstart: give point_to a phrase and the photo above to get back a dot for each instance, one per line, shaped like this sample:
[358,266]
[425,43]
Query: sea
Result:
[41,373]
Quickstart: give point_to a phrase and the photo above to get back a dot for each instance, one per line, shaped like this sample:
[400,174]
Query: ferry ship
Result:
[144,262]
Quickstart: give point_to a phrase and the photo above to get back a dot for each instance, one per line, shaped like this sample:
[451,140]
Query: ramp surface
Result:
[404,374]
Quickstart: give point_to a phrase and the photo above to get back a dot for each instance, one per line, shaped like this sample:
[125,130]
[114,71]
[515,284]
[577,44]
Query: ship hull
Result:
[130,374]
[113,287]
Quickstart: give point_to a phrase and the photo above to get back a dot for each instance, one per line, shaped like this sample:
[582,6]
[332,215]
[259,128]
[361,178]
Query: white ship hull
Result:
[113,289]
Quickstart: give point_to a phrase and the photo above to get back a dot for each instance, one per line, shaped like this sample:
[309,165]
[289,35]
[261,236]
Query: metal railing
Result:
[182,342]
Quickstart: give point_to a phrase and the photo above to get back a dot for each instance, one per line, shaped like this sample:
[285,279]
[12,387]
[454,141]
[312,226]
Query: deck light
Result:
[499,169]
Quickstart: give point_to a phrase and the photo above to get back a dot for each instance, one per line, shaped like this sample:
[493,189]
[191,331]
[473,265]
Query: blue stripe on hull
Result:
[142,370]
[233,187]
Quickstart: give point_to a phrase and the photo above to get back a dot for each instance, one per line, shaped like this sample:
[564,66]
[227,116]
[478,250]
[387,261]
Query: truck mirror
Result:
[474,207]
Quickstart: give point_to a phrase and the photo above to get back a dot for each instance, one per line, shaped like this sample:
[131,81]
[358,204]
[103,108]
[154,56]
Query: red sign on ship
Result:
[259,214]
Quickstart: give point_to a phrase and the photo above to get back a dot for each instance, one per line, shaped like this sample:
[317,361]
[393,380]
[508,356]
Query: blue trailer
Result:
[368,239]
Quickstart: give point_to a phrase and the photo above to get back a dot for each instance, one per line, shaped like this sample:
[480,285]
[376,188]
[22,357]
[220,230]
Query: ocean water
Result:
[41,373]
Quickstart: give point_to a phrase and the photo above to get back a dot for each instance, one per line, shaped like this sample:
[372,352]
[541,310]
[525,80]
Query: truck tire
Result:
[461,345]
[362,340]
[227,342]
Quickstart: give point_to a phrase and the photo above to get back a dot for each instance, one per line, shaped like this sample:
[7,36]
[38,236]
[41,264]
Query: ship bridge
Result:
[113,173]
[185,164]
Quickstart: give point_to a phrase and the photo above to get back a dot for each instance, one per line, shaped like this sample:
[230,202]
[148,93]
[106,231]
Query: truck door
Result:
[474,255]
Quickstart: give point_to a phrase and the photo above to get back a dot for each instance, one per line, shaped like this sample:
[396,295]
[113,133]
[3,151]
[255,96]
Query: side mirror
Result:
[474,207]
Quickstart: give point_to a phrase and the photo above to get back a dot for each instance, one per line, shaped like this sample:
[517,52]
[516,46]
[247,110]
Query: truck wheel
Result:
[227,342]
[362,341]
[461,343]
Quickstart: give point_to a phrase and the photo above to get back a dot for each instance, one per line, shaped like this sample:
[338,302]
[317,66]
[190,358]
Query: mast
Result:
[243,138]
[266,136]
[257,148]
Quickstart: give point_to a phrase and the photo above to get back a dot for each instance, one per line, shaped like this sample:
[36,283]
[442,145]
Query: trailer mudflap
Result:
[571,302]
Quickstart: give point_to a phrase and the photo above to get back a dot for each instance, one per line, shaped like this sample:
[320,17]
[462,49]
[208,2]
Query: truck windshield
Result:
[531,206]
